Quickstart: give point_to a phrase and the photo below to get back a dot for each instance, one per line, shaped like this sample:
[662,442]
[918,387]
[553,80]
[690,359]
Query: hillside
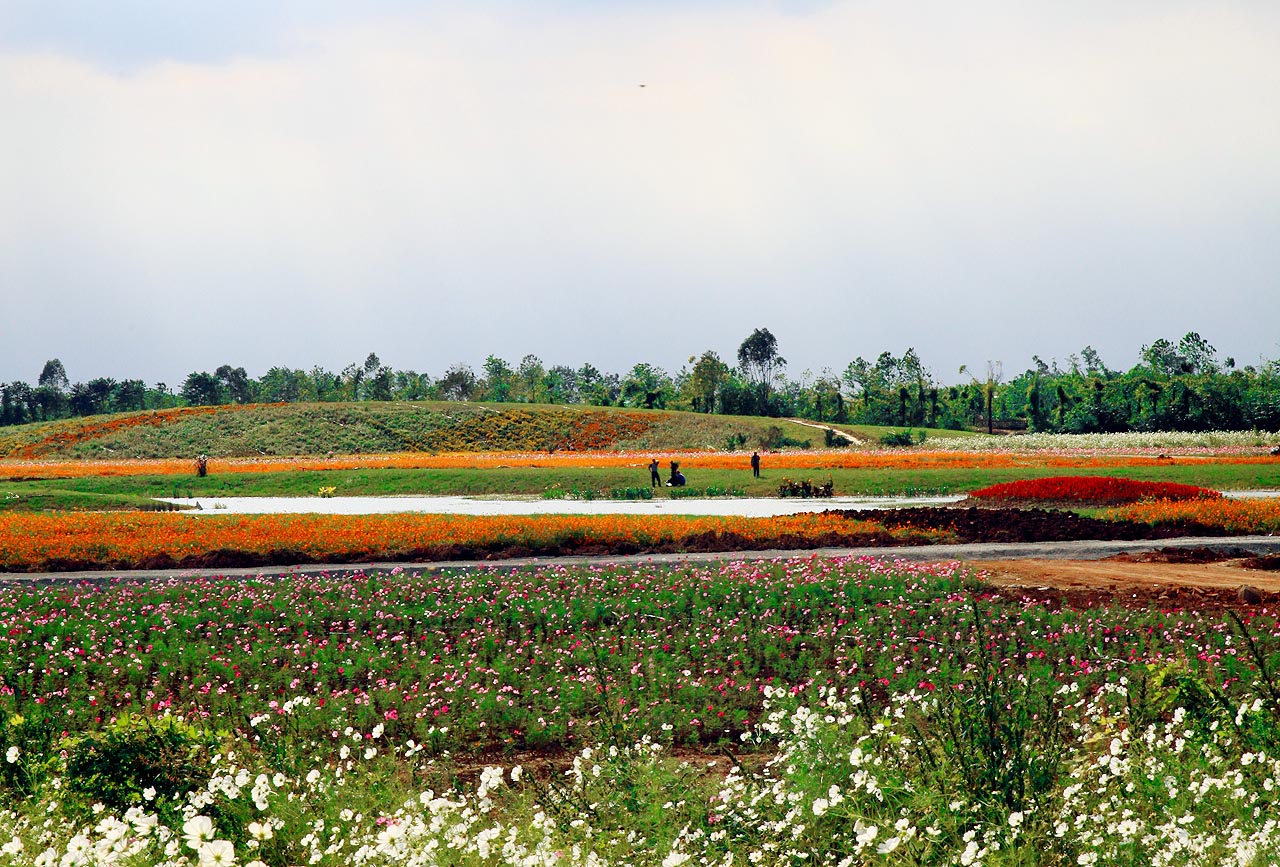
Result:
[374,428]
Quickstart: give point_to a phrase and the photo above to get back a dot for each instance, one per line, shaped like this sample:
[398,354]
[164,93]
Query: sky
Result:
[187,184]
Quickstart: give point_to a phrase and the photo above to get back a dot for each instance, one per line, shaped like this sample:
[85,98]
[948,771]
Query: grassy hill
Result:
[373,428]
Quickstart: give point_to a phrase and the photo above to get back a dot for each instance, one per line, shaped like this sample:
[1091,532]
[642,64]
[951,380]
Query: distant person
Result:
[654,479]
[677,477]
[755,464]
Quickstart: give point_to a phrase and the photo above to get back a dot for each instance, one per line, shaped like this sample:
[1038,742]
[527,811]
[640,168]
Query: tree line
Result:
[1174,386]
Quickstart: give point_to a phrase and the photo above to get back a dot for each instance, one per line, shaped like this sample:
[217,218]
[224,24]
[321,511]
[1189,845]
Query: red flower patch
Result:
[1092,490]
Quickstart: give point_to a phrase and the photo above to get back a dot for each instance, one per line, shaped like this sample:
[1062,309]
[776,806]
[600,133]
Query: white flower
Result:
[515,773]
[198,829]
[149,793]
[377,731]
[1015,819]
[219,853]
[820,806]
[888,845]
[260,830]
[13,847]
[12,755]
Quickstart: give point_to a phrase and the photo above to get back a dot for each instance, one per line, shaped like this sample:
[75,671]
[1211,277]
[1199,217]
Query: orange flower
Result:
[798,460]
[33,541]
[1236,516]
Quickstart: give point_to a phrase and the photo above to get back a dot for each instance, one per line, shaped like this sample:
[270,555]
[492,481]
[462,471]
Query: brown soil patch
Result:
[1029,525]
[1129,581]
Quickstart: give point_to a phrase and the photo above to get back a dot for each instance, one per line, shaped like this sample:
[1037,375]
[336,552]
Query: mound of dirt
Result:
[1267,563]
[1184,555]
[1030,525]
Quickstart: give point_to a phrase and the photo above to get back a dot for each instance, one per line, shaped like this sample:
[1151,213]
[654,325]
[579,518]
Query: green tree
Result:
[458,383]
[760,361]
[54,376]
[202,389]
[705,379]
[988,388]
[498,379]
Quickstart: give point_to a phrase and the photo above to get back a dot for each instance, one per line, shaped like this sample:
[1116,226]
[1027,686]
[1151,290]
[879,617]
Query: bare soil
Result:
[1030,525]
[1164,579]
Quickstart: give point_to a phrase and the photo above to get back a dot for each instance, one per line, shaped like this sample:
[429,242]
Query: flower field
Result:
[833,712]
[1235,516]
[60,541]
[1091,490]
[790,460]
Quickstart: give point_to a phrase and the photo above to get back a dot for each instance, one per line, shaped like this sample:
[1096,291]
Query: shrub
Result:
[25,747]
[806,489]
[899,438]
[114,766]
[774,438]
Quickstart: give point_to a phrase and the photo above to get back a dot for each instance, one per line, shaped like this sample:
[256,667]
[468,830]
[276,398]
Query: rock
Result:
[1249,595]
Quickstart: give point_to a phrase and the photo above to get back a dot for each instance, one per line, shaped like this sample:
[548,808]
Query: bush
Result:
[26,744]
[116,765]
[774,438]
[806,489]
[900,438]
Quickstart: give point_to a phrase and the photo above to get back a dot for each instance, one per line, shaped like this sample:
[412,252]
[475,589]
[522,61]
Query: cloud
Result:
[440,185]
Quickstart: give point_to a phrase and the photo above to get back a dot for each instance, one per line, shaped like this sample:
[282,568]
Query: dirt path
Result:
[838,434]
[1000,558]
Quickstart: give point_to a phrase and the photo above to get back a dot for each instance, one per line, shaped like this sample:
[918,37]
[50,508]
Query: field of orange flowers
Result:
[790,460]
[1236,516]
[35,542]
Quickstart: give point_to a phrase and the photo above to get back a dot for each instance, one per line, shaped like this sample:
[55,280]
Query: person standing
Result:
[755,464]
[654,479]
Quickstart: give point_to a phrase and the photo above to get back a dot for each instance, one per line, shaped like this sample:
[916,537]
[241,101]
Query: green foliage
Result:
[900,438]
[806,489]
[999,730]
[775,438]
[116,765]
[26,753]
[708,491]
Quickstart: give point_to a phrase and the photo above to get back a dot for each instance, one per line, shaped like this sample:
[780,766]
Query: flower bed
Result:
[825,711]
[1090,491]
[1233,516]
[791,460]
[111,540]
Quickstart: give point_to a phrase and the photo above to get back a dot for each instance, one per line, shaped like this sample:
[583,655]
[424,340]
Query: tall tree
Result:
[995,372]
[705,380]
[761,363]
[54,376]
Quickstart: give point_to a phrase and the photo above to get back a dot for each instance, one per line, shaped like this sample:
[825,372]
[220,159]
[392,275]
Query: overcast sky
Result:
[187,184]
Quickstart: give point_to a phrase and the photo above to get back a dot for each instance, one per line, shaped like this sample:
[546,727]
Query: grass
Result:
[319,429]
[129,491]
[871,434]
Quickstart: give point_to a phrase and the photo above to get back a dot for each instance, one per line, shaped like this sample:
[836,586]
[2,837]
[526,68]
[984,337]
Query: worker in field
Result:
[755,464]
[654,478]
